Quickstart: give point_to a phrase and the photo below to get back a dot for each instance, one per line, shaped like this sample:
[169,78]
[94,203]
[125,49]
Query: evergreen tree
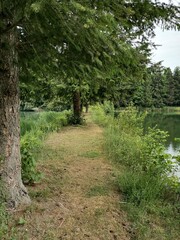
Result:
[73,39]
[176,79]
[170,87]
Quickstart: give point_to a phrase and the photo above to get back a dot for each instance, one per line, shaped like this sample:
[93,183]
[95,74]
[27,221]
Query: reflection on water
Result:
[174,152]
[169,122]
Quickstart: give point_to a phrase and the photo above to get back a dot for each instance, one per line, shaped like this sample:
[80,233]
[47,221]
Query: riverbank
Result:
[151,196]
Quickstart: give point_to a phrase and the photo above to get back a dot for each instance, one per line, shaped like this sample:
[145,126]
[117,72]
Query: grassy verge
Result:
[34,129]
[151,196]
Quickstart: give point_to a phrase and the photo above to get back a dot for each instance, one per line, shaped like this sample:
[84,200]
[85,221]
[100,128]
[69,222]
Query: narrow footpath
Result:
[77,198]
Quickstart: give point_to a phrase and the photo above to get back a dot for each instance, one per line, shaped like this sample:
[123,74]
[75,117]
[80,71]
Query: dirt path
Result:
[77,199]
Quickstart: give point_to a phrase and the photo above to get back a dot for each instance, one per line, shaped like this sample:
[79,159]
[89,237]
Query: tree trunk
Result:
[12,189]
[87,107]
[77,107]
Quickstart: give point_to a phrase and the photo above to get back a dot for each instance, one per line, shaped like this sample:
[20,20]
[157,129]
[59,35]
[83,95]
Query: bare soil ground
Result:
[77,198]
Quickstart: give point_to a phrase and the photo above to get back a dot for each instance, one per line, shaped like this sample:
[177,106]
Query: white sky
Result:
[169,51]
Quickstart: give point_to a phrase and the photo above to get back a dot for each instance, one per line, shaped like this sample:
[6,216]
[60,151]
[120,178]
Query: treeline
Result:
[160,87]
[157,87]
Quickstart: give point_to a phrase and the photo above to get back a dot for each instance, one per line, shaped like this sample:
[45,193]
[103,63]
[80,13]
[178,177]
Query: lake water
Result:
[169,122]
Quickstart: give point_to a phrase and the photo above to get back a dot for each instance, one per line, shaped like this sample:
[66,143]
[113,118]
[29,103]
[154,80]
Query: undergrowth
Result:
[6,230]
[34,128]
[150,189]
[3,221]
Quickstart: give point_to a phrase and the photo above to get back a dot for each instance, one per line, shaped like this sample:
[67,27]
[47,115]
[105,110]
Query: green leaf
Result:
[21,221]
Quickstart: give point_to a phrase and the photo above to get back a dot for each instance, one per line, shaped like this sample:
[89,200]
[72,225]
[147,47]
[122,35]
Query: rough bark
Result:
[12,189]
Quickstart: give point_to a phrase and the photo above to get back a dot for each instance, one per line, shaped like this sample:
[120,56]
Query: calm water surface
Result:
[169,122]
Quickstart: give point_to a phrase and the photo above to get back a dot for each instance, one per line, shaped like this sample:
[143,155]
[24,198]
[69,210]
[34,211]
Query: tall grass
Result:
[43,121]
[34,128]
[149,191]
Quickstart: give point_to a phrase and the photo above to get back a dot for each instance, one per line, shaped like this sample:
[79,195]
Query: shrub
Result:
[30,143]
[34,128]
[148,166]
[144,174]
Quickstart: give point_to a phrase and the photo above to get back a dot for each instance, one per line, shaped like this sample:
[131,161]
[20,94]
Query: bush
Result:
[148,166]
[144,174]
[30,144]
[140,188]
[34,128]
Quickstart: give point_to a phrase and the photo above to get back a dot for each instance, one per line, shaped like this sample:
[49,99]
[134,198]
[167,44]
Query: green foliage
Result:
[28,122]
[90,154]
[176,78]
[92,48]
[30,144]
[159,87]
[142,153]
[76,120]
[21,221]
[108,108]
[97,190]
[3,221]
[34,128]
[103,114]
[99,115]
[7,231]
[140,189]
[44,121]
[145,172]
[154,158]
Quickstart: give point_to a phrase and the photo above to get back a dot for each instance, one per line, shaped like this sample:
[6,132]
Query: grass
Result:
[34,129]
[90,154]
[43,121]
[40,194]
[73,199]
[150,196]
[155,221]
[99,212]
[97,190]
[171,109]
[3,221]
[75,192]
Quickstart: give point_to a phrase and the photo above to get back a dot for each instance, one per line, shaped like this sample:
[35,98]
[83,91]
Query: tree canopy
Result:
[91,42]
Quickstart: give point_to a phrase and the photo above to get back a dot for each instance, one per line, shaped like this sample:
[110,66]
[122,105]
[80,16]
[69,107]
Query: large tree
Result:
[12,188]
[45,35]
